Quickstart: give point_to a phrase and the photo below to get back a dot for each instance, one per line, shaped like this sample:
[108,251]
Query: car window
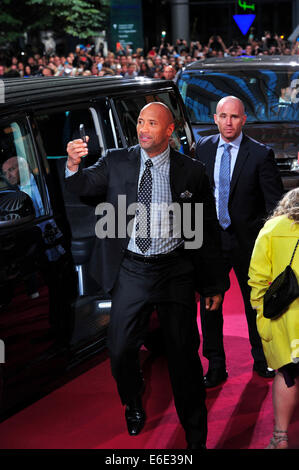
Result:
[18,164]
[128,109]
[54,130]
[57,128]
[267,95]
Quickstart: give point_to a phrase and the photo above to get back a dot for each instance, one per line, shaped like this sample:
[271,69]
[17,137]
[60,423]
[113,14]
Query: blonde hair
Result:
[288,205]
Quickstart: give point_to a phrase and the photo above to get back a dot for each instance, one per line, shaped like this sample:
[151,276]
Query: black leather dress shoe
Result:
[215,377]
[196,445]
[263,370]
[135,417]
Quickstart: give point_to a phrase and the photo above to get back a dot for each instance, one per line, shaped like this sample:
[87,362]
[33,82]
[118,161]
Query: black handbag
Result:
[282,292]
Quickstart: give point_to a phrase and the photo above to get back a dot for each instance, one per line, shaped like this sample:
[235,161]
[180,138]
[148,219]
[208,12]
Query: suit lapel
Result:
[211,158]
[241,159]
[129,169]
[132,173]
[176,175]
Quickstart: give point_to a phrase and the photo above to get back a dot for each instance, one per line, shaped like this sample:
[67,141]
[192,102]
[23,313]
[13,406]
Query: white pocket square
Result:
[186,195]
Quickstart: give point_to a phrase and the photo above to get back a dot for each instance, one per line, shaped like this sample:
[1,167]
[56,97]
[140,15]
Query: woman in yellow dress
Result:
[280,337]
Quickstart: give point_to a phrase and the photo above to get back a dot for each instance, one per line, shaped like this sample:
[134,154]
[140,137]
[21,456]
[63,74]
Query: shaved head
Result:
[230,117]
[155,126]
[164,110]
[232,99]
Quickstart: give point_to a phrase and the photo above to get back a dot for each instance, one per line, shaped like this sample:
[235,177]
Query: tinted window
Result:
[19,168]
[267,95]
[58,128]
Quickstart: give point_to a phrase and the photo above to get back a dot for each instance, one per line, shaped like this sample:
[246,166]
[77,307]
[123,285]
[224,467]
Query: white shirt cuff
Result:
[69,172]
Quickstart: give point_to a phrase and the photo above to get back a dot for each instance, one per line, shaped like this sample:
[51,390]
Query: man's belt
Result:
[158,258]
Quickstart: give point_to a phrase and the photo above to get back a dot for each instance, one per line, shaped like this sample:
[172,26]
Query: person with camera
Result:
[216,44]
[275,246]
[144,272]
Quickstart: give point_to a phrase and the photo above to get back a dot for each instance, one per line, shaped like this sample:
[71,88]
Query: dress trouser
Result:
[212,322]
[167,286]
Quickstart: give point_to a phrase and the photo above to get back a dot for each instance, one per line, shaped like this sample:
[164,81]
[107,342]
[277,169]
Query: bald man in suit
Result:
[154,271]
[247,186]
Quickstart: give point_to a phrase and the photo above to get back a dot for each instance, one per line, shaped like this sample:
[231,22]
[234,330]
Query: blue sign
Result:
[244,22]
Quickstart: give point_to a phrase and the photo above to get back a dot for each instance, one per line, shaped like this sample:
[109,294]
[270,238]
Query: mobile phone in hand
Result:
[82,133]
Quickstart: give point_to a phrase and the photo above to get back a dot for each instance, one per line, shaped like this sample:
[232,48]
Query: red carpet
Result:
[86,413]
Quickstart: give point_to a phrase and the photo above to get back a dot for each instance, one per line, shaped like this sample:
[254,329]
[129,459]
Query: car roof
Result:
[39,91]
[274,62]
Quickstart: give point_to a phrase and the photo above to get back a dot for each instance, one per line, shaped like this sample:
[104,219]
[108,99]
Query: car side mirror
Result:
[16,208]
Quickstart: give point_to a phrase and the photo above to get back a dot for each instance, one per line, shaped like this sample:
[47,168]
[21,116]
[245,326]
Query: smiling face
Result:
[230,118]
[154,128]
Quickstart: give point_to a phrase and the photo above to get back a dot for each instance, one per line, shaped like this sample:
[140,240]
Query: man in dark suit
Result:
[247,186]
[143,272]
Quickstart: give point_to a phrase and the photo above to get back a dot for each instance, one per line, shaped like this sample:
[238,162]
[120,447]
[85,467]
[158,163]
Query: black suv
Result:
[269,89]
[53,314]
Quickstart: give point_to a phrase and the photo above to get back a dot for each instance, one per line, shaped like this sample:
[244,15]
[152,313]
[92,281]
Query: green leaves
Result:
[80,18]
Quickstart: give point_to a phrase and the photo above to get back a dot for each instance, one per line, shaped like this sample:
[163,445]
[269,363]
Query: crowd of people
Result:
[162,61]
[234,227]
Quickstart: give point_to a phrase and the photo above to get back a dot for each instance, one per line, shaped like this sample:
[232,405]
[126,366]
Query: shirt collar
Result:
[158,160]
[235,143]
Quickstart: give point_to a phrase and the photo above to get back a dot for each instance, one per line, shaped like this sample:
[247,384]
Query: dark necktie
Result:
[143,225]
[224,187]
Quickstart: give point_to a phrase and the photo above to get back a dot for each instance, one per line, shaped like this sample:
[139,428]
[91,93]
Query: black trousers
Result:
[212,322]
[167,286]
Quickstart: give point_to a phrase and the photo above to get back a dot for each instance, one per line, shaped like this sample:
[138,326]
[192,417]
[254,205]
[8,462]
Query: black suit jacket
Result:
[117,174]
[256,185]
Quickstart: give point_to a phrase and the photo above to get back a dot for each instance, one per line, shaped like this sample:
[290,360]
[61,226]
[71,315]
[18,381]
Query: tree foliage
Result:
[80,18]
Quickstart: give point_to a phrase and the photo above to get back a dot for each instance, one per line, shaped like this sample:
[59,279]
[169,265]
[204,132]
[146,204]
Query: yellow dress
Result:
[272,252]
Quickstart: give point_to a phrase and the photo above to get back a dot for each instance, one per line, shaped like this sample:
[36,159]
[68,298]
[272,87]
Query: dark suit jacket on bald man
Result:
[117,174]
[255,186]
[164,279]
[255,189]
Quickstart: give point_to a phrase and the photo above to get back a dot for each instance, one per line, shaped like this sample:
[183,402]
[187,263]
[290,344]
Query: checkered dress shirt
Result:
[160,219]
